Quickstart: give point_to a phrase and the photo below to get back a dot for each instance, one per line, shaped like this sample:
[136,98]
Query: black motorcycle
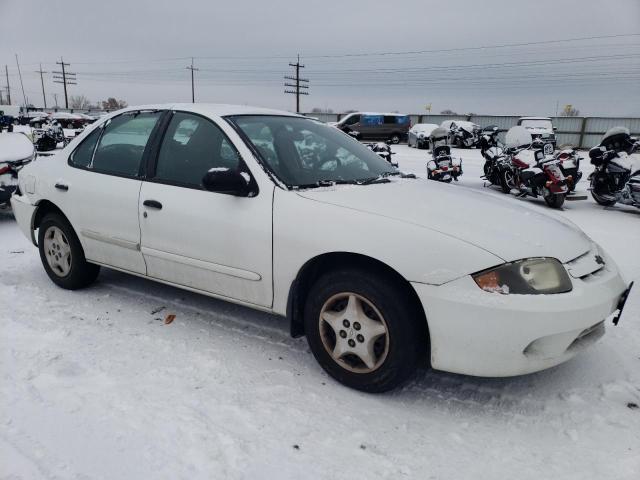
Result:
[616,177]
[47,139]
[495,158]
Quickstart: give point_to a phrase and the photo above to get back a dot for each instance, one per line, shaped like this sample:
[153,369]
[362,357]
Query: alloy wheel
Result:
[354,332]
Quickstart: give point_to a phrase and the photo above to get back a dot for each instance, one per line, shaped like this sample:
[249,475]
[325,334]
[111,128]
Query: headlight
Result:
[526,277]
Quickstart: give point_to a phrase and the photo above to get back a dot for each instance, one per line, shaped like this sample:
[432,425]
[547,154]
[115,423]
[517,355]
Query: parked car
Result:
[539,126]
[418,135]
[16,150]
[462,134]
[376,126]
[367,264]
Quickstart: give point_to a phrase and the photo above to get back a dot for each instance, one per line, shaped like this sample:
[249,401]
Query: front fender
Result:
[304,228]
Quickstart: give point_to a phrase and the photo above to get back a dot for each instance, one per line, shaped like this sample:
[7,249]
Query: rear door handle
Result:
[152,204]
[62,186]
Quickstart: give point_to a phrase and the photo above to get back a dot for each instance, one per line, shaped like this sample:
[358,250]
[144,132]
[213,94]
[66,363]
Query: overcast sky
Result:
[137,50]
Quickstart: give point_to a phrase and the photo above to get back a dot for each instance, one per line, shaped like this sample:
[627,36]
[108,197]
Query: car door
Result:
[99,189]
[211,242]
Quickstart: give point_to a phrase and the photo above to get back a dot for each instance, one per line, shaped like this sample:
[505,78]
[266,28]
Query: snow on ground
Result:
[95,385]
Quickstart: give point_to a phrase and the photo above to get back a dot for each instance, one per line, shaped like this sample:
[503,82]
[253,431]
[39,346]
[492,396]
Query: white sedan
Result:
[230,201]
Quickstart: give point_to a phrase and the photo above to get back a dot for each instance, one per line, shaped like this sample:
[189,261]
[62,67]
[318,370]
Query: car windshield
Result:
[541,123]
[305,153]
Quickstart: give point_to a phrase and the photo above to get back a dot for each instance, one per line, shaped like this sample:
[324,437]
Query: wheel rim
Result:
[57,251]
[354,332]
[509,179]
[395,139]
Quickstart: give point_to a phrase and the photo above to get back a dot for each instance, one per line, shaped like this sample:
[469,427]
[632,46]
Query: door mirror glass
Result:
[225,180]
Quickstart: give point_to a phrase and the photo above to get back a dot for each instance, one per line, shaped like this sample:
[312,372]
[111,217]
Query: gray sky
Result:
[137,50]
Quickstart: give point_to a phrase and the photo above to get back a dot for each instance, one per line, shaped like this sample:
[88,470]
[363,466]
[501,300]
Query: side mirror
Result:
[227,181]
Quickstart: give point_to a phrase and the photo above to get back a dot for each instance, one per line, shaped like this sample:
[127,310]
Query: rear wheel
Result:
[395,138]
[363,330]
[554,200]
[62,255]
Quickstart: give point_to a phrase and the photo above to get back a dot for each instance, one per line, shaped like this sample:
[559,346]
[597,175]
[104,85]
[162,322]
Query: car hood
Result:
[506,228]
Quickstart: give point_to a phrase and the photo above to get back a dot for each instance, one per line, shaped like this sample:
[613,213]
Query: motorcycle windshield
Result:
[615,131]
[518,137]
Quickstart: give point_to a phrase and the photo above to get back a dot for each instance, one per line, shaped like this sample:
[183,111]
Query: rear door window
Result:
[123,143]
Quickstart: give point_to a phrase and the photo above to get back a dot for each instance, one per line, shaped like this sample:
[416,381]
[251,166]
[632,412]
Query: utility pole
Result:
[44,97]
[192,68]
[66,78]
[6,71]
[299,89]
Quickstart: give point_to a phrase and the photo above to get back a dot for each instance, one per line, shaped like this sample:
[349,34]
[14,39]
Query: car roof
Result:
[210,109]
[380,113]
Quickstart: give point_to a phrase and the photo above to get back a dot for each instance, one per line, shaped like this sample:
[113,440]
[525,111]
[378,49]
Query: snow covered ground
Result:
[95,385]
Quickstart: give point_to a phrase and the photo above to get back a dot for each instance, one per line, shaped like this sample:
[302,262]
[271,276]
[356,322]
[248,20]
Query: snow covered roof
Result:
[210,109]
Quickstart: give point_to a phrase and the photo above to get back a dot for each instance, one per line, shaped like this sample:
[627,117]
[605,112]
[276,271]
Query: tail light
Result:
[4,169]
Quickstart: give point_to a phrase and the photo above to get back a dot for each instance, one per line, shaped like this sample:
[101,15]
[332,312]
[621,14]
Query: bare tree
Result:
[112,104]
[321,110]
[569,111]
[448,112]
[80,102]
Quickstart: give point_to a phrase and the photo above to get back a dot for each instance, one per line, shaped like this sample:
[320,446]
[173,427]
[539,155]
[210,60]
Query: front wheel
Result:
[554,200]
[363,330]
[62,255]
[395,139]
[603,200]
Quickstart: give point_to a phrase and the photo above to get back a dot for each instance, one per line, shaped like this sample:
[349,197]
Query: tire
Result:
[504,180]
[395,138]
[62,255]
[394,353]
[602,200]
[555,200]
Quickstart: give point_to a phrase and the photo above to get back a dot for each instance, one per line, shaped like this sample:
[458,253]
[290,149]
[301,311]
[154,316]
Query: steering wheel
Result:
[324,162]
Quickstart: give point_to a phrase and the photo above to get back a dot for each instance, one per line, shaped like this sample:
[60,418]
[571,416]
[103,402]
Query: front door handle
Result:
[152,204]
[62,186]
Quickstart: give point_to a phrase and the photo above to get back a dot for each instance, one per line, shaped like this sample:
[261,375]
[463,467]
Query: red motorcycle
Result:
[532,174]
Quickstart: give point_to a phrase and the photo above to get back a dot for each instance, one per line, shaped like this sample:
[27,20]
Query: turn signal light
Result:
[489,281]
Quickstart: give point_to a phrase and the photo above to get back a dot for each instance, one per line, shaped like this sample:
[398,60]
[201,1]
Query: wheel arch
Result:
[43,208]
[326,262]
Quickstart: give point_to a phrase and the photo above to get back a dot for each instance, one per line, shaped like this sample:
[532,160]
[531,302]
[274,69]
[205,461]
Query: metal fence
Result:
[580,132]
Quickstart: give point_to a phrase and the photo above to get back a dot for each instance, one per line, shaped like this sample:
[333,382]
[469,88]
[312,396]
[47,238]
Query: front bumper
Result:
[487,334]
[23,211]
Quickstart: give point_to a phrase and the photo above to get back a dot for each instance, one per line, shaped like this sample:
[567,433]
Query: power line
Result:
[298,88]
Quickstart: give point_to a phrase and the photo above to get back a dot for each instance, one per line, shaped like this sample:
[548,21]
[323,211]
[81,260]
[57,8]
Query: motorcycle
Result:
[47,139]
[531,172]
[495,160]
[384,150]
[570,166]
[616,177]
[443,167]
[464,134]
